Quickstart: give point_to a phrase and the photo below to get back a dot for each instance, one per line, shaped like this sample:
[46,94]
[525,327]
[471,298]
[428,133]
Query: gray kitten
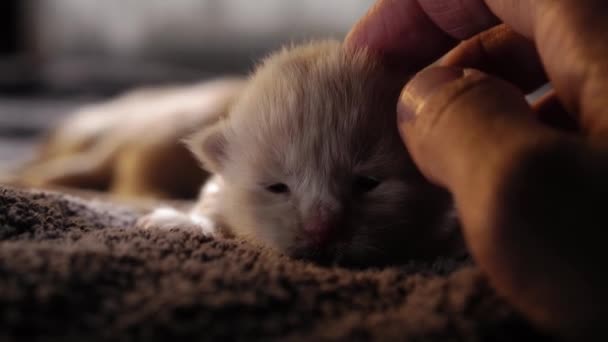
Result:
[309,161]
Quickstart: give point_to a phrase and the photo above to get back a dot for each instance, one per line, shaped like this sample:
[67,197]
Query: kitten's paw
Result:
[168,219]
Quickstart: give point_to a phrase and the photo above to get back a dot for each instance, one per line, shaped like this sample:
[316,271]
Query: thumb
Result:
[468,132]
[477,136]
[461,124]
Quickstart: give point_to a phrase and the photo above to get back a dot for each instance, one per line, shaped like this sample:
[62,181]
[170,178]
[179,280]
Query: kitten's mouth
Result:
[326,250]
[342,254]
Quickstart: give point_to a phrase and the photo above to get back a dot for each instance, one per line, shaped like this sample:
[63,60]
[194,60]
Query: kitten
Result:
[131,146]
[309,161]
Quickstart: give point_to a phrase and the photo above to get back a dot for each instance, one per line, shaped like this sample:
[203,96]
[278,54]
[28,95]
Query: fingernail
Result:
[421,87]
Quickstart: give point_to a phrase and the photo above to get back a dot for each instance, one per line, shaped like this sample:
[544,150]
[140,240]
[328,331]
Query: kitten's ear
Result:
[209,146]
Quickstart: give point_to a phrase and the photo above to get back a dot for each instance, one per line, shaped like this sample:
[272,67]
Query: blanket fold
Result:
[77,269]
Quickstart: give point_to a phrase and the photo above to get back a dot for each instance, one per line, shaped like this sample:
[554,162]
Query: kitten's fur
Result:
[131,146]
[315,118]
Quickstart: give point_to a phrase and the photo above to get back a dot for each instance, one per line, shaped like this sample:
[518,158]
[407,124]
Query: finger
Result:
[507,172]
[501,52]
[570,36]
[447,148]
[403,33]
[508,55]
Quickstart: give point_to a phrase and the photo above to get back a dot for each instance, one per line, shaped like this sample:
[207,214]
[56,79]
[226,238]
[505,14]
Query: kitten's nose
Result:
[321,227]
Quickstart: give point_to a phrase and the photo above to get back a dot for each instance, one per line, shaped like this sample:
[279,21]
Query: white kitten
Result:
[312,164]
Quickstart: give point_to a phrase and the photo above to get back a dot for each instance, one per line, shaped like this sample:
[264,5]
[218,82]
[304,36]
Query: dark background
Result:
[58,54]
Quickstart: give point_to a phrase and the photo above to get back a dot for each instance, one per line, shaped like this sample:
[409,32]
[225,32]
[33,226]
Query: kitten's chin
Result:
[345,255]
[444,240]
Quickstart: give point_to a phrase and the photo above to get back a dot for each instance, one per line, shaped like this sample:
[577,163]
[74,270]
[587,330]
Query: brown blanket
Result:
[75,269]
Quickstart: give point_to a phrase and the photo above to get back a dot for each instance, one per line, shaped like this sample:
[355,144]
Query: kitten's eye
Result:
[365,184]
[278,188]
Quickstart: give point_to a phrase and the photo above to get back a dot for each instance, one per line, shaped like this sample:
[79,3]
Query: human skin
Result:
[529,195]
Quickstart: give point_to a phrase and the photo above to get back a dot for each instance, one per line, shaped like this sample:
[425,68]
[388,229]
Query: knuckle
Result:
[457,98]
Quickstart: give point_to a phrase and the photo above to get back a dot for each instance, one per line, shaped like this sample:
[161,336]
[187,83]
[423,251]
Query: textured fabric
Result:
[76,269]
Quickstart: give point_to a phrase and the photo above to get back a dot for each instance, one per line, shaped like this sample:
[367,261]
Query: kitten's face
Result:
[314,165]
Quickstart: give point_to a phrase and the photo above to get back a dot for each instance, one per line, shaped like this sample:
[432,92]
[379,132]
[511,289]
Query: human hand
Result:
[530,197]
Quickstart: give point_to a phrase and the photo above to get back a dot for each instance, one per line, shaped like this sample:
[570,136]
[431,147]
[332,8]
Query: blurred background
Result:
[58,54]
